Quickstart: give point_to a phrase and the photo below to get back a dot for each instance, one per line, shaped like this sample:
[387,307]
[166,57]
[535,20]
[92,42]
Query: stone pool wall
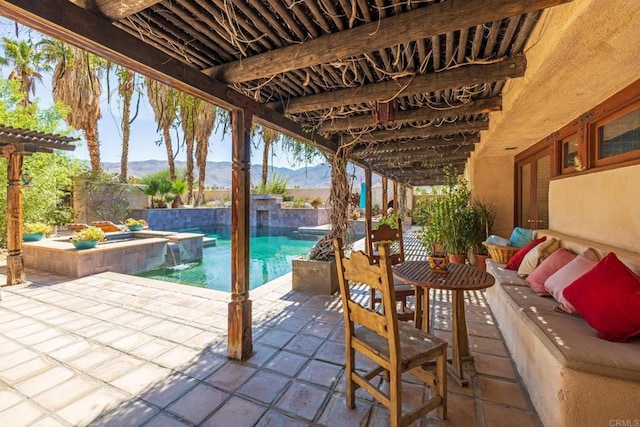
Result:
[148,250]
[266,211]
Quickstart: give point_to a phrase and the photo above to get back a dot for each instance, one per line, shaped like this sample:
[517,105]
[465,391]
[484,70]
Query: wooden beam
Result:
[65,21]
[115,9]
[15,262]
[369,150]
[417,24]
[406,161]
[420,153]
[467,75]
[477,106]
[417,132]
[240,344]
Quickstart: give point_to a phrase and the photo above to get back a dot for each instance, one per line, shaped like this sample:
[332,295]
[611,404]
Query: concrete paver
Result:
[118,350]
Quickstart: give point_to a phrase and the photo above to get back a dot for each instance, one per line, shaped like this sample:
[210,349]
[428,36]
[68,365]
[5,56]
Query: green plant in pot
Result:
[134,224]
[481,224]
[87,238]
[34,231]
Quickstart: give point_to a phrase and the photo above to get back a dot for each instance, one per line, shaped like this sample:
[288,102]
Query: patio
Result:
[112,349]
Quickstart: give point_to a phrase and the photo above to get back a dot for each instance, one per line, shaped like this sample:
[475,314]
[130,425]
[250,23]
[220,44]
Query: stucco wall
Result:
[491,180]
[600,206]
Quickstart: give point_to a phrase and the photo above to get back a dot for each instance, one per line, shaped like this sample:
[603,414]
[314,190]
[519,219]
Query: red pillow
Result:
[516,259]
[550,265]
[608,297]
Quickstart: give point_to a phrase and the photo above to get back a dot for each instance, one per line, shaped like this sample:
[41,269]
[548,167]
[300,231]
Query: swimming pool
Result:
[271,252]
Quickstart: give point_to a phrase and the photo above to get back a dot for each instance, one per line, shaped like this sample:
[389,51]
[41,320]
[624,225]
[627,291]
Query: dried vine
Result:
[339,200]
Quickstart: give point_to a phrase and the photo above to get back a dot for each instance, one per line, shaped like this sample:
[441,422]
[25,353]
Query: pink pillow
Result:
[550,265]
[608,297]
[516,259]
[558,281]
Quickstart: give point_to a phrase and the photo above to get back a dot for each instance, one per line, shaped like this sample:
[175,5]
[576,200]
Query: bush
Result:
[316,202]
[276,185]
[36,228]
[299,202]
[89,233]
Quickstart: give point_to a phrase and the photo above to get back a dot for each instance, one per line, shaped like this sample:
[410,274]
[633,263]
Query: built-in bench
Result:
[573,377]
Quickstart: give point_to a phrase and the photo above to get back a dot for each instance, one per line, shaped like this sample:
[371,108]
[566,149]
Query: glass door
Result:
[533,175]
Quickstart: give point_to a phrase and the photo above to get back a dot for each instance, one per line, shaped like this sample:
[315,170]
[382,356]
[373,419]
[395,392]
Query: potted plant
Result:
[484,216]
[134,224]
[316,273]
[87,238]
[34,231]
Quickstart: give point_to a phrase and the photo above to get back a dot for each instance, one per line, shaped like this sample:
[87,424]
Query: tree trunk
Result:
[126,90]
[93,146]
[167,143]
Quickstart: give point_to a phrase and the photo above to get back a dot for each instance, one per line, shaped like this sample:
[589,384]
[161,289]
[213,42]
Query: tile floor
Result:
[119,350]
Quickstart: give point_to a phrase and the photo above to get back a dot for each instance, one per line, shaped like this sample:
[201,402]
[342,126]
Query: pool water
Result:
[270,251]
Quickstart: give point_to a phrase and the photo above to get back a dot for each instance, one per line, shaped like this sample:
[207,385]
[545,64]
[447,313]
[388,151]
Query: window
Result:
[618,137]
[569,153]
[604,137]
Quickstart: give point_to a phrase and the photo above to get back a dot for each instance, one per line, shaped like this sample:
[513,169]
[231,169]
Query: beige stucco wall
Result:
[600,206]
[491,180]
[579,55]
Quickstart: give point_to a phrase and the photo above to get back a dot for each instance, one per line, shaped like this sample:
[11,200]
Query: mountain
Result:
[219,173]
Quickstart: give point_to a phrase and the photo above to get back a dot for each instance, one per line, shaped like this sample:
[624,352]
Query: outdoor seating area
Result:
[577,365]
[111,349]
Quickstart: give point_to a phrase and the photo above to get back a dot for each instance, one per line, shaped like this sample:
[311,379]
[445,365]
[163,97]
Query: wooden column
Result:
[395,196]
[367,206]
[385,196]
[240,343]
[15,263]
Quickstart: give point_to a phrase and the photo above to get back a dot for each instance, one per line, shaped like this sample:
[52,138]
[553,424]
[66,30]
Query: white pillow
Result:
[536,255]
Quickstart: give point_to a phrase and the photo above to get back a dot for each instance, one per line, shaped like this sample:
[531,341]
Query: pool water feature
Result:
[271,252]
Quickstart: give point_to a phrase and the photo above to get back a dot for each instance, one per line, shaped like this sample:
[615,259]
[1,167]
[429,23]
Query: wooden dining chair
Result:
[395,347]
[385,233]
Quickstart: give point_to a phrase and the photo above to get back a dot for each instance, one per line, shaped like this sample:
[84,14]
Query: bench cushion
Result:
[608,297]
[568,337]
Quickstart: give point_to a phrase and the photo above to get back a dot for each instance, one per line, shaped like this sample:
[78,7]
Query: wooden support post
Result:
[385,196]
[240,342]
[367,206]
[15,263]
[395,196]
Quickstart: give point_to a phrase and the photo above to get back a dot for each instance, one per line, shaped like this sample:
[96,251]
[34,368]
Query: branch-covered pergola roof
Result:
[28,141]
[406,85]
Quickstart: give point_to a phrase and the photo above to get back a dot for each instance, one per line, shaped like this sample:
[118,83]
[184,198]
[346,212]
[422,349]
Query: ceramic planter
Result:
[85,244]
[32,237]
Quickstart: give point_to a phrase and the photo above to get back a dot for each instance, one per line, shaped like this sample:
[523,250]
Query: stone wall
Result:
[267,211]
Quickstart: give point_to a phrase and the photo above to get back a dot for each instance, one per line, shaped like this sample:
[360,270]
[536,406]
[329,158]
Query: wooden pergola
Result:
[14,145]
[401,88]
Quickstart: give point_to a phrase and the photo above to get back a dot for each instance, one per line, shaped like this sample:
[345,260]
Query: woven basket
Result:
[501,254]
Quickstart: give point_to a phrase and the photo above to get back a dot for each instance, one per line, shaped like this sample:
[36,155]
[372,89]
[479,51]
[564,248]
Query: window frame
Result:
[614,115]
[586,127]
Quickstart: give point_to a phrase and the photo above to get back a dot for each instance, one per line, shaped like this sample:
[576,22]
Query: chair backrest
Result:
[385,233]
[358,270]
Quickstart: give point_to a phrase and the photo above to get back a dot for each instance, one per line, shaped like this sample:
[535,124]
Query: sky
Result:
[144,133]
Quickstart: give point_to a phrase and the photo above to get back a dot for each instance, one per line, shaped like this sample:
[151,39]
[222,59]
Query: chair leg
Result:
[441,382]
[349,370]
[395,394]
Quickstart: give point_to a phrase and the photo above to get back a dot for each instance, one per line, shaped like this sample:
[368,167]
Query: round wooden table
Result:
[458,278]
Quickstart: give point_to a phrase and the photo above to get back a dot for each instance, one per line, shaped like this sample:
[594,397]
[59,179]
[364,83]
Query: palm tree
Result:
[205,119]
[126,88]
[76,83]
[27,62]
[188,112]
[164,102]
[298,151]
